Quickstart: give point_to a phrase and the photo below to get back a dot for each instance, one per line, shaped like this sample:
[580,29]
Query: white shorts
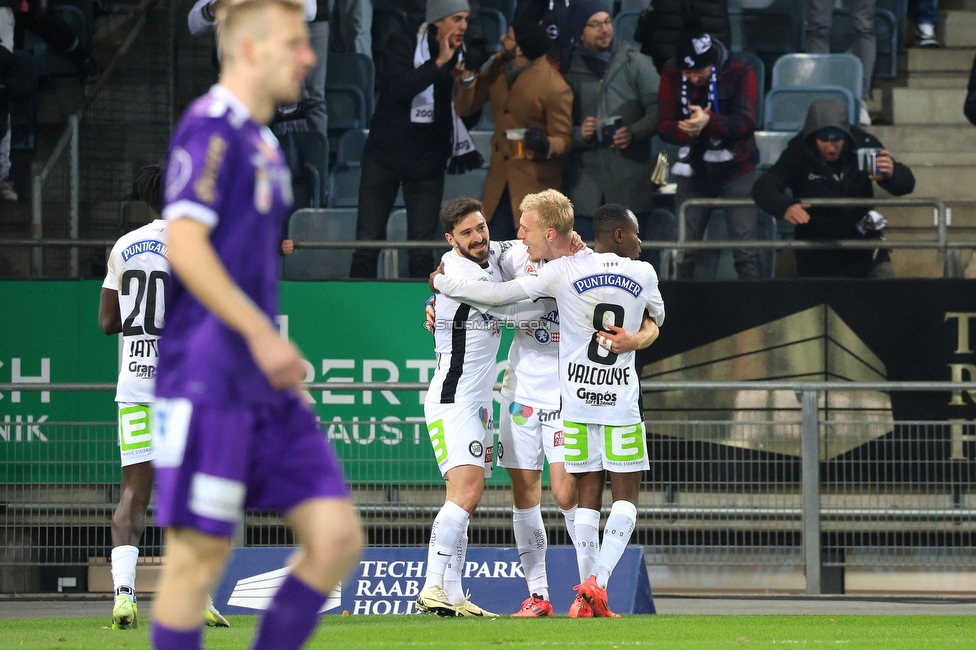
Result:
[528,436]
[616,448]
[135,433]
[461,434]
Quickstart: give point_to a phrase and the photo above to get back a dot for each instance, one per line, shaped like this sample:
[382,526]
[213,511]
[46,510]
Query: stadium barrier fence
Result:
[775,486]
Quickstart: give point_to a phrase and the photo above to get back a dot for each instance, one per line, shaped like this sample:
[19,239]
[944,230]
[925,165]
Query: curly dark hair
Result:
[457,209]
[148,186]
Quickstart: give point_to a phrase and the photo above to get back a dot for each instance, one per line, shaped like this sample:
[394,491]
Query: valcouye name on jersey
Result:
[601,280]
[592,376]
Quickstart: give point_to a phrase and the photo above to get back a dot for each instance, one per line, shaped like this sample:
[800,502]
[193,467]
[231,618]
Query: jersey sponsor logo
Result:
[152,246]
[143,370]
[489,455]
[611,280]
[262,191]
[591,376]
[548,416]
[520,413]
[486,418]
[476,449]
[501,450]
[178,172]
[591,398]
[559,438]
[206,185]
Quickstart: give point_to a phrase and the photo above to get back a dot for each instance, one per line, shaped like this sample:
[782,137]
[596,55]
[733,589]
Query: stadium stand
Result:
[771,144]
[307,153]
[786,108]
[320,225]
[624,26]
[493,25]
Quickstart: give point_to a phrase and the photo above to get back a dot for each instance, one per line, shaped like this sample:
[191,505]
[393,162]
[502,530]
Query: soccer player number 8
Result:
[603,313]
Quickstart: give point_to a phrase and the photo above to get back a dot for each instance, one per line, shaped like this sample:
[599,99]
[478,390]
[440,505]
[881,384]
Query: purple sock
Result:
[291,618]
[164,638]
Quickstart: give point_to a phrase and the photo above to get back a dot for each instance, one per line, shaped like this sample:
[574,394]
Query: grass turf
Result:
[661,631]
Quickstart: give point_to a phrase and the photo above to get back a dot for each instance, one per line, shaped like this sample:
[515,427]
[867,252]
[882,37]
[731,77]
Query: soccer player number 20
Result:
[147,290]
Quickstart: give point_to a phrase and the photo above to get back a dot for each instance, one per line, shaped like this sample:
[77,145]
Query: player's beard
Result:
[479,257]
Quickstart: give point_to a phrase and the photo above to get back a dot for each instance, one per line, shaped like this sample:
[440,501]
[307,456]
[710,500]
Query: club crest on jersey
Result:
[475,449]
[611,280]
[501,450]
[263,195]
[542,336]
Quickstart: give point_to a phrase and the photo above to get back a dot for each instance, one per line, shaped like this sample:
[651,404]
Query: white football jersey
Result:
[465,339]
[534,354]
[138,270]
[594,291]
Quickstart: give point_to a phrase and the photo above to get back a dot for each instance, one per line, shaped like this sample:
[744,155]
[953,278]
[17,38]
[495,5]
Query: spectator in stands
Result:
[707,104]
[829,159]
[355,18]
[527,94]
[611,160]
[820,18]
[554,16]
[412,135]
[7,191]
[926,17]
[53,30]
[661,23]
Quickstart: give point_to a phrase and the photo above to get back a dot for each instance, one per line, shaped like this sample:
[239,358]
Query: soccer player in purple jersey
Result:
[232,429]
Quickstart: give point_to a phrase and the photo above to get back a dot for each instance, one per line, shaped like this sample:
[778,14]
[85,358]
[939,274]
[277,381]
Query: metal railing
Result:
[948,253]
[782,510]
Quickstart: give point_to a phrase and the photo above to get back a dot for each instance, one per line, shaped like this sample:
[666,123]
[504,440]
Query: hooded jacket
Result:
[805,172]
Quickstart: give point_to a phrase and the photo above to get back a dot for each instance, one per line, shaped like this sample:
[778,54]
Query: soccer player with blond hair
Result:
[232,430]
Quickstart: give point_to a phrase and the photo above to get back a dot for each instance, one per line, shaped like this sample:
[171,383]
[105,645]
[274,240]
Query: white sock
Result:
[455,569]
[620,525]
[449,525]
[530,537]
[587,540]
[570,517]
[124,567]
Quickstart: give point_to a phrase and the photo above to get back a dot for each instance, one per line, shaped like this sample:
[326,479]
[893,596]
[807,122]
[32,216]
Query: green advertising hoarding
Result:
[347,331]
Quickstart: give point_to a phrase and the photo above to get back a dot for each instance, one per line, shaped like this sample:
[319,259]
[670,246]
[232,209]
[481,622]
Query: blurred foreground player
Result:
[136,284]
[232,430]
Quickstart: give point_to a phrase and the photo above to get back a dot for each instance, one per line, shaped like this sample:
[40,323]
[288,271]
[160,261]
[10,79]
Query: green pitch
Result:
[684,632]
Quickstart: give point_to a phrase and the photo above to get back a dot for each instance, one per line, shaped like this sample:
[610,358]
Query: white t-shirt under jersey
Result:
[465,339]
[534,354]
[138,270]
[592,291]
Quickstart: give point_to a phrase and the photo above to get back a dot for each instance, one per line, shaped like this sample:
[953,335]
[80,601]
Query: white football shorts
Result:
[615,448]
[528,436]
[461,434]
[135,433]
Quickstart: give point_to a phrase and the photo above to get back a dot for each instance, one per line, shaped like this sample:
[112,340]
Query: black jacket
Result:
[17,83]
[410,149]
[970,108]
[659,29]
[803,170]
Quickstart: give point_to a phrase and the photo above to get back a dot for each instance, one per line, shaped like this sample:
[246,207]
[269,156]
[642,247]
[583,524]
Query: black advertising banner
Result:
[813,330]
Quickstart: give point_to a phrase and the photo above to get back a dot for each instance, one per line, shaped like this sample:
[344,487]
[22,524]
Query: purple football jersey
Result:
[227,171]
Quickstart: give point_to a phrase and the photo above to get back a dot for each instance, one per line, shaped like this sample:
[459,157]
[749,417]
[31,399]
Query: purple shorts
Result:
[218,460]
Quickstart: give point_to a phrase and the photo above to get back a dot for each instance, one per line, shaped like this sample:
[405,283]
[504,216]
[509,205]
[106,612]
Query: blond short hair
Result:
[552,210]
[232,14]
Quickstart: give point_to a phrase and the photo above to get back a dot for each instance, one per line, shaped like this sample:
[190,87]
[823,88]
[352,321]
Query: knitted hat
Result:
[437,9]
[580,14]
[532,38]
[695,48]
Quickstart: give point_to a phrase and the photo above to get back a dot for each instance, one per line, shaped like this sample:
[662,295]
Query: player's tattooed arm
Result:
[109,313]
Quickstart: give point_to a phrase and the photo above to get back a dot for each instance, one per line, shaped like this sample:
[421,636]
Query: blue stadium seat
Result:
[493,25]
[886,37]
[347,107]
[624,26]
[320,225]
[471,184]
[898,9]
[505,7]
[349,149]
[486,122]
[352,69]
[815,70]
[344,187]
[786,108]
[771,144]
[769,32]
[307,153]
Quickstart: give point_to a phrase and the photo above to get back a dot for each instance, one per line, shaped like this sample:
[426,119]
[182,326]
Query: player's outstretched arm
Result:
[109,315]
[488,294]
[198,267]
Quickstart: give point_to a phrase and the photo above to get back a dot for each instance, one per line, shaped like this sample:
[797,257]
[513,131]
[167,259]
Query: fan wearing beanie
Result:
[532,108]
[707,105]
[413,134]
[614,117]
